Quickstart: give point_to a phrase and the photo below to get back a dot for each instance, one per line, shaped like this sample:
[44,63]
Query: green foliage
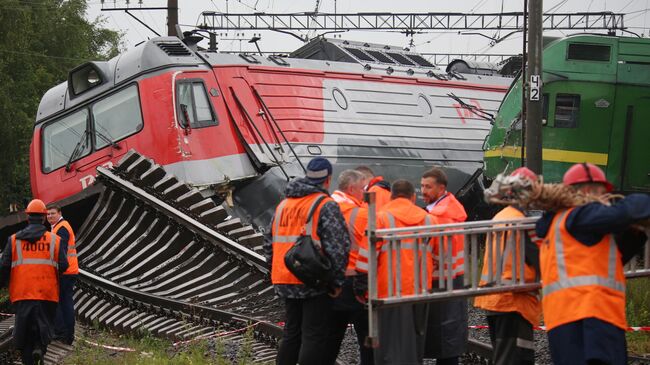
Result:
[638,314]
[42,40]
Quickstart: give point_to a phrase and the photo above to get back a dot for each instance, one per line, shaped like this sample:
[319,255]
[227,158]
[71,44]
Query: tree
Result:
[42,40]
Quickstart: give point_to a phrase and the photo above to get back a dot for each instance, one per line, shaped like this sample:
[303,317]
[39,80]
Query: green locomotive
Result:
[596,103]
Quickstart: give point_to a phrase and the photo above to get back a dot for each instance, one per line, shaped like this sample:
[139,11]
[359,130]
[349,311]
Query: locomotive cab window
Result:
[65,140]
[567,110]
[193,105]
[117,116]
[588,52]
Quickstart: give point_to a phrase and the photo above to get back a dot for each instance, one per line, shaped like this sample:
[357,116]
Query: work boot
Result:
[37,356]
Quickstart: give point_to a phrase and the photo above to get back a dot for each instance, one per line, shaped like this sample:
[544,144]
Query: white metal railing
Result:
[475,235]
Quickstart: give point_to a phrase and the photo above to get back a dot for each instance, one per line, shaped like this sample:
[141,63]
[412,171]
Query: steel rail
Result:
[189,310]
[184,219]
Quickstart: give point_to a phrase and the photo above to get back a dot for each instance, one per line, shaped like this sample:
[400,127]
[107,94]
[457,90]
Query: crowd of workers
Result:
[578,254]
[41,268]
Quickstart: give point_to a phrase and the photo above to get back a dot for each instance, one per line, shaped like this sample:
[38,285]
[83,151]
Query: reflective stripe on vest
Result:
[71,254]
[296,225]
[353,256]
[564,282]
[34,269]
[580,281]
[405,284]
[52,261]
[293,238]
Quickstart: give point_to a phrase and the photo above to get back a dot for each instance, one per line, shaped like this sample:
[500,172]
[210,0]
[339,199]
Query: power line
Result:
[45,56]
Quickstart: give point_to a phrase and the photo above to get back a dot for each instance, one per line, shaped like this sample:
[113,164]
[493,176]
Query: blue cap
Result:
[318,170]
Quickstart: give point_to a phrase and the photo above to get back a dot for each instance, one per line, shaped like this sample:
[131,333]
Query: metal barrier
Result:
[422,239]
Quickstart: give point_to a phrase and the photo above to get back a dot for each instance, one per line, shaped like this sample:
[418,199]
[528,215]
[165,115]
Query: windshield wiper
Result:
[107,139]
[77,149]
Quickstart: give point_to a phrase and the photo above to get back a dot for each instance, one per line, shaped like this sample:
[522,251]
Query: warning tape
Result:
[543,328]
[216,335]
[124,349]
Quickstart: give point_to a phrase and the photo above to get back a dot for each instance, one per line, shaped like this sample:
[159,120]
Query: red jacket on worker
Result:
[399,213]
[525,303]
[34,269]
[73,264]
[448,209]
[356,216]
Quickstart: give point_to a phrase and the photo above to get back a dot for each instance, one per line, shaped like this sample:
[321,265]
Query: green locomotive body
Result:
[596,102]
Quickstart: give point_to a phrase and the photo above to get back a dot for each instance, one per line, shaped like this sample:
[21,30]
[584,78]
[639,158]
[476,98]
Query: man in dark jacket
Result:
[33,282]
[308,309]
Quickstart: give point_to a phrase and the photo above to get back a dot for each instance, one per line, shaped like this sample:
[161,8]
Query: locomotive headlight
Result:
[84,78]
[93,77]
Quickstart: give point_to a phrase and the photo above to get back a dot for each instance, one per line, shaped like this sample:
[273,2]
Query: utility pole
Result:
[172,18]
[534,99]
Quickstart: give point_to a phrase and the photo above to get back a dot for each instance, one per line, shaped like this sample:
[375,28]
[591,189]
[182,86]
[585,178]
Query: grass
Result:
[638,314]
[150,350]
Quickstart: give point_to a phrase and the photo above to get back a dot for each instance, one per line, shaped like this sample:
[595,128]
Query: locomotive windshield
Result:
[62,137]
[108,120]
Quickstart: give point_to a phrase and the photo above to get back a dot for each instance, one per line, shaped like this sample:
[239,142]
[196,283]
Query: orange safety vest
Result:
[34,269]
[73,264]
[356,216]
[382,196]
[289,222]
[391,217]
[580,281]
[526,304]
[449,210]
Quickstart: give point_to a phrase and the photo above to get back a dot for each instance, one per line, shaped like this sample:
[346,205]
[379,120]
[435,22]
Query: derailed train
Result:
[237,127]
[595,104]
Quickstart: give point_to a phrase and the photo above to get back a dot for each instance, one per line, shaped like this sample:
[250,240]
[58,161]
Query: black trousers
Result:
[401,335]
[306,331]
[346,310]
[512,339]
[65,321]
[34,327]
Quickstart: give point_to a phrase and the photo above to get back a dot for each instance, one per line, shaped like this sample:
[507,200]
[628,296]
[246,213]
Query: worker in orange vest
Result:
[376,184]
[349,306]
[447,320]
[581,258]
[511,316]
[65,321]
[31,264]
[402,328]
[308,310]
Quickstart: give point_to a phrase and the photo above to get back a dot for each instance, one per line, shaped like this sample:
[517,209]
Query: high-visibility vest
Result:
[387,257]
[73,264]
[580,281]
[289,223]
[356,217]
[34,269]
[526,304]
[382,196]
[449,210]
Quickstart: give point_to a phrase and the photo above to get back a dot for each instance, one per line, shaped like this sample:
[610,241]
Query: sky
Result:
[432,41]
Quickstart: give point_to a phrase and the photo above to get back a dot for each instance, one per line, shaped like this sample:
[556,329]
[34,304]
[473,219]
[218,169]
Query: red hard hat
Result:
[36,206]
[526,173]
[585,173]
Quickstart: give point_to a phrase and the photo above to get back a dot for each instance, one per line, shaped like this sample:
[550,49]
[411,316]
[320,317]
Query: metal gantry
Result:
[407,21]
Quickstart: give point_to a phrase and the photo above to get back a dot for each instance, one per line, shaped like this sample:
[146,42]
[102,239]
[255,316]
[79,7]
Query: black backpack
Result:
[306,258]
